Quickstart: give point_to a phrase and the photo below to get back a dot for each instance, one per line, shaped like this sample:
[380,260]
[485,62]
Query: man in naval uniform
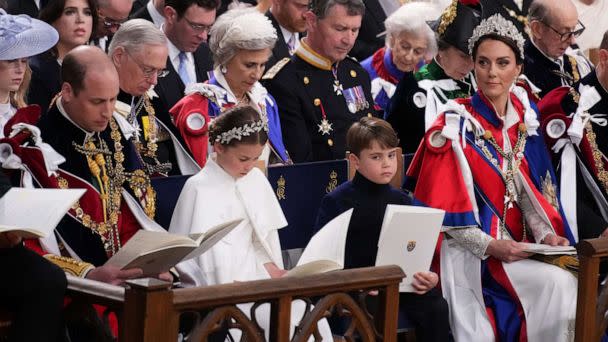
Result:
[550,61]
[576,131]
[320,91]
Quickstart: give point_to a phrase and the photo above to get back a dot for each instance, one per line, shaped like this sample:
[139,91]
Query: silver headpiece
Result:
[498,25]
[243,131]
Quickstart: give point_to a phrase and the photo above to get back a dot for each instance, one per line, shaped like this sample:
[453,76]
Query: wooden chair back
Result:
[591,310]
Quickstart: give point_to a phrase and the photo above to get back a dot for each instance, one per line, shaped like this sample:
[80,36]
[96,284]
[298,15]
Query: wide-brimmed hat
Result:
[22,36]
[456,24]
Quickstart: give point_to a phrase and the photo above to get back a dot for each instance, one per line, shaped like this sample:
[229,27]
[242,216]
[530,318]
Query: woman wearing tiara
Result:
[241,41]
[503,194]
[237,189]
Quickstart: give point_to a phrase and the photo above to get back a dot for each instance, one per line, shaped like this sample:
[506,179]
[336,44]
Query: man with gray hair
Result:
[320,91]
[550,61]
[139,53]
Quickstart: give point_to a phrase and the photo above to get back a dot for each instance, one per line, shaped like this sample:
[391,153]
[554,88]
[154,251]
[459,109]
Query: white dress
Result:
[213,197]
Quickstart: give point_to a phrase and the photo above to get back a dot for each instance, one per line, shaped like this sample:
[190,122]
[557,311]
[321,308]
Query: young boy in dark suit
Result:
[372,143]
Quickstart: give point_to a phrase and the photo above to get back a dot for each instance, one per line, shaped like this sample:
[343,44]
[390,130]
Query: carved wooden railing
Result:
[591,320]
[149,310]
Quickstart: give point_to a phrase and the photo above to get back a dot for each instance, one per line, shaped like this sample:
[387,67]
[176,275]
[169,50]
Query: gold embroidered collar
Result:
[312,57]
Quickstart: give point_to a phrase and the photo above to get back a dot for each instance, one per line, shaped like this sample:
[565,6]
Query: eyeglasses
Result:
[198,27]
[111,23]
[149,71]
[564,37]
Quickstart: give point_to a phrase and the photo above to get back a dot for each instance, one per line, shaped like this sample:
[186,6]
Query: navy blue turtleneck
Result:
[369,201]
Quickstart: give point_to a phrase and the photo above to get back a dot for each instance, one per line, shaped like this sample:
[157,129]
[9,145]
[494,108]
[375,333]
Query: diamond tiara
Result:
[500,26]
[243,131]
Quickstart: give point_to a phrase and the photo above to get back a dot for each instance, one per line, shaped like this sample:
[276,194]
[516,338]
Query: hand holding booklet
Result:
[407,239]
[537,248]
[34,213]
[156,252]
[325,251]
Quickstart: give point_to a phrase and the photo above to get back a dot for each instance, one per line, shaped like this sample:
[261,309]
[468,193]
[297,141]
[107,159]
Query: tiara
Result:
[243,131]
[498,25]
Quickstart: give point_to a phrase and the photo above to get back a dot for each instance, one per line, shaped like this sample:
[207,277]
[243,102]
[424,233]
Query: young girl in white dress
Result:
[231,187]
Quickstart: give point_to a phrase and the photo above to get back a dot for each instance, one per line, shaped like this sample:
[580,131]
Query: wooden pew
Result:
[591,319]
[149,310]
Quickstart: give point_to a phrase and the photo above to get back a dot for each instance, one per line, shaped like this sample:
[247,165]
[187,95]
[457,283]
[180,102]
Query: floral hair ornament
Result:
[500,26]
[243,131]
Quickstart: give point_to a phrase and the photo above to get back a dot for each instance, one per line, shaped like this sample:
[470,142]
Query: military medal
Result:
[337,85]
[325,126]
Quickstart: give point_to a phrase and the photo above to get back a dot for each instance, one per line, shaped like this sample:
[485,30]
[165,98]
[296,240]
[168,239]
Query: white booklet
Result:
[325,251]
[34,213]
[408,238]
[537,248]
[157,251]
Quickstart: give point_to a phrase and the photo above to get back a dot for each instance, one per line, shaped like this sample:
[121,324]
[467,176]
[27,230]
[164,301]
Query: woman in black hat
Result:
[417,101]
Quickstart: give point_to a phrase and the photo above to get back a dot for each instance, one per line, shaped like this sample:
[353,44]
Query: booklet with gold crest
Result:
[156,252]
[34,213]
[325,251]
[408,238]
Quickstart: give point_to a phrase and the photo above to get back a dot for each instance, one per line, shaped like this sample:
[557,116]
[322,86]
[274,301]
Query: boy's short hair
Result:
[363,133]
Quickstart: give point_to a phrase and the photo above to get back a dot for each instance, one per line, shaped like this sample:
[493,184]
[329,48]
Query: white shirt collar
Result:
[174,55]
[59,103]
[257,94]
[157,18]
[287,34]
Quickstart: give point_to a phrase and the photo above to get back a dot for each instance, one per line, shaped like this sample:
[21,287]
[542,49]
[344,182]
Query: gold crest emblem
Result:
[411,245]
[333,182]
[281,188]
[549,192]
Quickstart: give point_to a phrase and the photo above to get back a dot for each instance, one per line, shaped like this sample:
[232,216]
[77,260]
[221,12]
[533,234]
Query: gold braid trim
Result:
[447,17]
[70,266]
[575,74]
[598,157]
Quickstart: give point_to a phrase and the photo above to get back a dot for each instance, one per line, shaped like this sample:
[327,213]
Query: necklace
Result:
[111,176]
[513,159]
[150,129]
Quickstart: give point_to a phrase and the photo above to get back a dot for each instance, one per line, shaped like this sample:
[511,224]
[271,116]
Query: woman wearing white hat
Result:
[33,288]
[20,37]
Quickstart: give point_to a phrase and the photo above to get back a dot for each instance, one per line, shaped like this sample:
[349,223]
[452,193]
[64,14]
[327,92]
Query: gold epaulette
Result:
[271,73]
[70,266]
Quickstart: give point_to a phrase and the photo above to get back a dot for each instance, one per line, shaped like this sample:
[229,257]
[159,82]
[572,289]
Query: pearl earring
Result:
[223,69]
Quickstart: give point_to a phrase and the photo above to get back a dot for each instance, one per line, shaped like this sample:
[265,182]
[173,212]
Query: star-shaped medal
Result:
[338,87]
[325,127]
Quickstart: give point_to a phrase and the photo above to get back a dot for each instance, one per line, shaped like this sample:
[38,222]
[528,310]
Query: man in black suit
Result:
[287,17]
[29,7]
[111,14]
[372,25]
[152,11]
[187,25]
[137,6]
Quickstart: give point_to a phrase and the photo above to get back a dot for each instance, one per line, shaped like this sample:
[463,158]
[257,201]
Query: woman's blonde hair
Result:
[18,98]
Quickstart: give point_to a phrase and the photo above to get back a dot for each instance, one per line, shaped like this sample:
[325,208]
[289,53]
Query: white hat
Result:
[22,36]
